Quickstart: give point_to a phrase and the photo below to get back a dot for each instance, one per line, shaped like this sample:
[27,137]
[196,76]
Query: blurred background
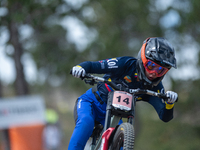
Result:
[41,40]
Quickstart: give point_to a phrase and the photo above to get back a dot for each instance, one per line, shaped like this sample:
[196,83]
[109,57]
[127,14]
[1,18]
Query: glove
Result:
[78,71]
[173,96]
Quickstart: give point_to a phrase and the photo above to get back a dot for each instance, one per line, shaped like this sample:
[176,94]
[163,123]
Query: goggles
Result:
[152,67]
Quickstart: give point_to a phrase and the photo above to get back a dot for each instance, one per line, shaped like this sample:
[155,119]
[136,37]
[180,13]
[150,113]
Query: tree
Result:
[21,85]
[120,30]
[32,14]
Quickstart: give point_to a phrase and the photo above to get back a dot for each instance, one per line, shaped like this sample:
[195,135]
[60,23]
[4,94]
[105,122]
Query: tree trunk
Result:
[21,86]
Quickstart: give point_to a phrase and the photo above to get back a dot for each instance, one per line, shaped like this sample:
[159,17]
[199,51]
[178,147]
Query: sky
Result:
[81,36]
[6,67]
[6,64]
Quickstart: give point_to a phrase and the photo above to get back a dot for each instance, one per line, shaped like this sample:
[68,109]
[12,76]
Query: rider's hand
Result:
[78,71]
[172,97]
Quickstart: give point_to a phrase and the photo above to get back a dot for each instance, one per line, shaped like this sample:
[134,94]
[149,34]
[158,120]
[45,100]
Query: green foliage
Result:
[122,26]
[156,135]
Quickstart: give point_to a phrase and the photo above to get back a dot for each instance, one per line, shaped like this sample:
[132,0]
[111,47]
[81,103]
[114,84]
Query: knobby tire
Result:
[123,138]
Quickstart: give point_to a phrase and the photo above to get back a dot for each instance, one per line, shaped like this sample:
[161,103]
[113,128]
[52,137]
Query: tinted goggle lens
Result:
[152,67]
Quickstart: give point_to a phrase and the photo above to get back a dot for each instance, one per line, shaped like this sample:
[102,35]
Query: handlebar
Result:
[131,91]
[91,79]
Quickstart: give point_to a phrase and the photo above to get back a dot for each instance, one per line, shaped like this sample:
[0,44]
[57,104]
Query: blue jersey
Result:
[120,69]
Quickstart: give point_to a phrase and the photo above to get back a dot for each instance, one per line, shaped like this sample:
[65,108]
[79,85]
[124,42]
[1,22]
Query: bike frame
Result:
[111,124]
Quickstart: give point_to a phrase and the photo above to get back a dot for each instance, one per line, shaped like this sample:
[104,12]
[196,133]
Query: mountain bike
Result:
[121,104]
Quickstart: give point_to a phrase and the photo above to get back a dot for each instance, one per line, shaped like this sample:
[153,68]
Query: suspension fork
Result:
[131,119]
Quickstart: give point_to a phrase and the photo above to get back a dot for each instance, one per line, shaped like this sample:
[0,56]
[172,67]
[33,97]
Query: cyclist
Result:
[155,59]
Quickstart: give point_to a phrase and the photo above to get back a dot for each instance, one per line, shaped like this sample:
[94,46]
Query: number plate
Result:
[122,100]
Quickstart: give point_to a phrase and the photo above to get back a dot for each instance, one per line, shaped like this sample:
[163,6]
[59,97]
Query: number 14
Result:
[126,100]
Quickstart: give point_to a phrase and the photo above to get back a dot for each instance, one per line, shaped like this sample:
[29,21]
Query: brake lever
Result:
[91,82]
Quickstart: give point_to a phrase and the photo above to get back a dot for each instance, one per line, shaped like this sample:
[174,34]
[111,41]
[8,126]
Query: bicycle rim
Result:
[123,138]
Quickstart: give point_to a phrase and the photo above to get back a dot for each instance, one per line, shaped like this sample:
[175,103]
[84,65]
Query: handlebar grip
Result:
[163,96]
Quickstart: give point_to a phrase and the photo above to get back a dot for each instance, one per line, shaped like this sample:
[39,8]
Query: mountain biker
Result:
[155,59]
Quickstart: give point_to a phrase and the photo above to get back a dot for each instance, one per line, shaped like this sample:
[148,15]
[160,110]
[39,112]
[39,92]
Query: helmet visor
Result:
[152,67]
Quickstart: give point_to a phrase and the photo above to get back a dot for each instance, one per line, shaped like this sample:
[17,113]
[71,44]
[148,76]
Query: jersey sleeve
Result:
[106,65]
[165,112]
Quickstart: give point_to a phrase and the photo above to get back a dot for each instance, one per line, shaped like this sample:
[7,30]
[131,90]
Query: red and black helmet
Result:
[158,50]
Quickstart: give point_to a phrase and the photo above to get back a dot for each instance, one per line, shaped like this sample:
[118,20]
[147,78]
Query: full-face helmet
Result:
[156,55]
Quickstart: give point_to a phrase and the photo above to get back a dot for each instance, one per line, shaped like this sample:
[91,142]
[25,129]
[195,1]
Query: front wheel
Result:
[123,138]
